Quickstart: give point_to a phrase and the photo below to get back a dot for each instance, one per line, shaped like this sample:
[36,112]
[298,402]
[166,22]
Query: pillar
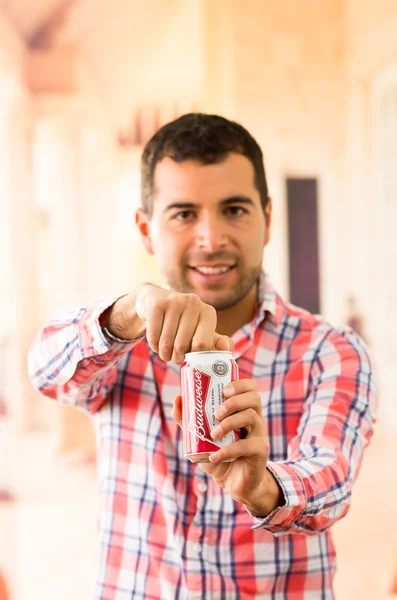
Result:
[62,264]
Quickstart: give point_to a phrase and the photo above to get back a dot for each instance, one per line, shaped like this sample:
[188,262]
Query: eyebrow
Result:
[184,205]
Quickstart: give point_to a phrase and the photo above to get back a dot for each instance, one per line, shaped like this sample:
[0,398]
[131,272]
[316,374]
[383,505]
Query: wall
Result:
[279,69]
[14,101]
[372,55]
[371,36]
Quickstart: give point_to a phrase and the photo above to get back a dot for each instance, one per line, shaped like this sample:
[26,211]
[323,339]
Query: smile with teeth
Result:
[213,270]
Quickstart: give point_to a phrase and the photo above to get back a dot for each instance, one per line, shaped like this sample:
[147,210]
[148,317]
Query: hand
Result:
[246,479]
[174,323]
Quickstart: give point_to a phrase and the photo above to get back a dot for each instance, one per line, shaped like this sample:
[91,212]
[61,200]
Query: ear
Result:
[268,220]
[142,222]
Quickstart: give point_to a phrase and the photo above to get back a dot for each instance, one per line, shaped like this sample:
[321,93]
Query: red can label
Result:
[203,377]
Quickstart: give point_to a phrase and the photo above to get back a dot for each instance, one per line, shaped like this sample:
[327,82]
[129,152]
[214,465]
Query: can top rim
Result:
[209,352]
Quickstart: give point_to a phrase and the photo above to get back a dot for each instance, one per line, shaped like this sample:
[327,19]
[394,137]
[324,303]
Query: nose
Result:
[210,234]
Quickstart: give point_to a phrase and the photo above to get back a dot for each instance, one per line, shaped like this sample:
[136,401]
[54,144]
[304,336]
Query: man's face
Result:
[208,228]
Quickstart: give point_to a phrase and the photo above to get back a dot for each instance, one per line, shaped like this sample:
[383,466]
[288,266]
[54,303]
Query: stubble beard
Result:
[214,295]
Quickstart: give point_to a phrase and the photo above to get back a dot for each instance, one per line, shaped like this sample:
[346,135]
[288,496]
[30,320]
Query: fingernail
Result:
[214,457]
[229,390]
[220,412]
[216,432]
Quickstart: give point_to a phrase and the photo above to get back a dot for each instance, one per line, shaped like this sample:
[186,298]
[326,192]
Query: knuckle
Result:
[177,298]
[166,344]
[252,414]
[210,311]
[164,303]
[158,305]
[192,300]
[250,384]
[229,405]
[181,348]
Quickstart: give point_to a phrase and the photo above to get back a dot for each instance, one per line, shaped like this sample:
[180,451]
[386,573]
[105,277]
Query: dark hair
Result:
[205,138]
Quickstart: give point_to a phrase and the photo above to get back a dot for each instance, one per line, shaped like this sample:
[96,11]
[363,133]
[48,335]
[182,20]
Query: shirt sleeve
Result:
[73,360]
[325,456]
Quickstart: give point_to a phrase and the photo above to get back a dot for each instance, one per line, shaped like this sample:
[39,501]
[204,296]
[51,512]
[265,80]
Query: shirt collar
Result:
[268,301]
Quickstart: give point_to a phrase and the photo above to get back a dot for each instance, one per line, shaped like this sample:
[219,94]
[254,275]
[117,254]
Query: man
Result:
[256,527]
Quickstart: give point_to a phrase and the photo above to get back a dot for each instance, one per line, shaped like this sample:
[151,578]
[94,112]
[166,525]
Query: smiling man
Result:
[257,527]
[219,208]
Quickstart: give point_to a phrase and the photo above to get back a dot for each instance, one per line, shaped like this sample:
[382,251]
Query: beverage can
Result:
[203,377]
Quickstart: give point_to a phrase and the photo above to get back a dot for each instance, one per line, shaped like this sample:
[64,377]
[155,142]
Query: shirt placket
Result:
[196,543]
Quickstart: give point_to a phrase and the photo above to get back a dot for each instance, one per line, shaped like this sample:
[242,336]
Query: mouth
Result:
[212,273]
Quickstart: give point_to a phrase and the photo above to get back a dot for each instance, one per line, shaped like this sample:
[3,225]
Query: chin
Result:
[219,301]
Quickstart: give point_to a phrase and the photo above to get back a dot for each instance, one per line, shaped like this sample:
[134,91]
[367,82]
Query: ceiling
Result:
[30,16]
[139,53]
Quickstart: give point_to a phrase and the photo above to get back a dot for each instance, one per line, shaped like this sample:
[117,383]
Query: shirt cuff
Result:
[95,340]
[111,339]
[282,517]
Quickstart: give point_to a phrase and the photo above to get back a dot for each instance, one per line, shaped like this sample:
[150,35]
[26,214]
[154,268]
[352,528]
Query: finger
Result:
[204,334]
[177,410]
[168,333]
[223,342]
[183,341]
[179,325]
[239,386]
[257,447]
[238,403]
[154,325]
[247,419]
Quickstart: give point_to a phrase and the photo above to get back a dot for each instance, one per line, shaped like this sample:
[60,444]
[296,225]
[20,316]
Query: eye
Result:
[236,211]
[184,215]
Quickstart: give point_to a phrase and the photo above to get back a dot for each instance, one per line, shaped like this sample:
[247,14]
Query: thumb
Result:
[177,410]
[223,342]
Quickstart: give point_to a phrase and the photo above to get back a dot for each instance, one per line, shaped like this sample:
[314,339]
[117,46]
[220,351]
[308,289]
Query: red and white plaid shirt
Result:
[167,531]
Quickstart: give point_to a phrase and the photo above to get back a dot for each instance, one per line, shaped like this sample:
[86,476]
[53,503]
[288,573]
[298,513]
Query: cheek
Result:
[167,249]
[253,247]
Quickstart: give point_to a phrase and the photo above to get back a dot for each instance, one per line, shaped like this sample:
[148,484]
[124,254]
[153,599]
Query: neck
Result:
[231,319]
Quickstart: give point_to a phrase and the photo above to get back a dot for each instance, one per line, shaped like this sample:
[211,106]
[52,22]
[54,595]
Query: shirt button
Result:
[202,486]
[198,548]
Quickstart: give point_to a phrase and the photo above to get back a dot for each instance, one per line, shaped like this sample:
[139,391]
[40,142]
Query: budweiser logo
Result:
[199,408]
[198,421]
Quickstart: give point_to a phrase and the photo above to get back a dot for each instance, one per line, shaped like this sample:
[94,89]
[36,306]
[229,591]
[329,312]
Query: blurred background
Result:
[83,85]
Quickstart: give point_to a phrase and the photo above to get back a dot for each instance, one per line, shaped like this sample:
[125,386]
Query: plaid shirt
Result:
[167,531]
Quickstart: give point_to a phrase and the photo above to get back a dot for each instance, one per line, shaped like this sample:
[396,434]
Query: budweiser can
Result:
[203,377]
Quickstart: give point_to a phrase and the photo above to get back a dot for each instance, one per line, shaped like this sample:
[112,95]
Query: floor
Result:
[366,539]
